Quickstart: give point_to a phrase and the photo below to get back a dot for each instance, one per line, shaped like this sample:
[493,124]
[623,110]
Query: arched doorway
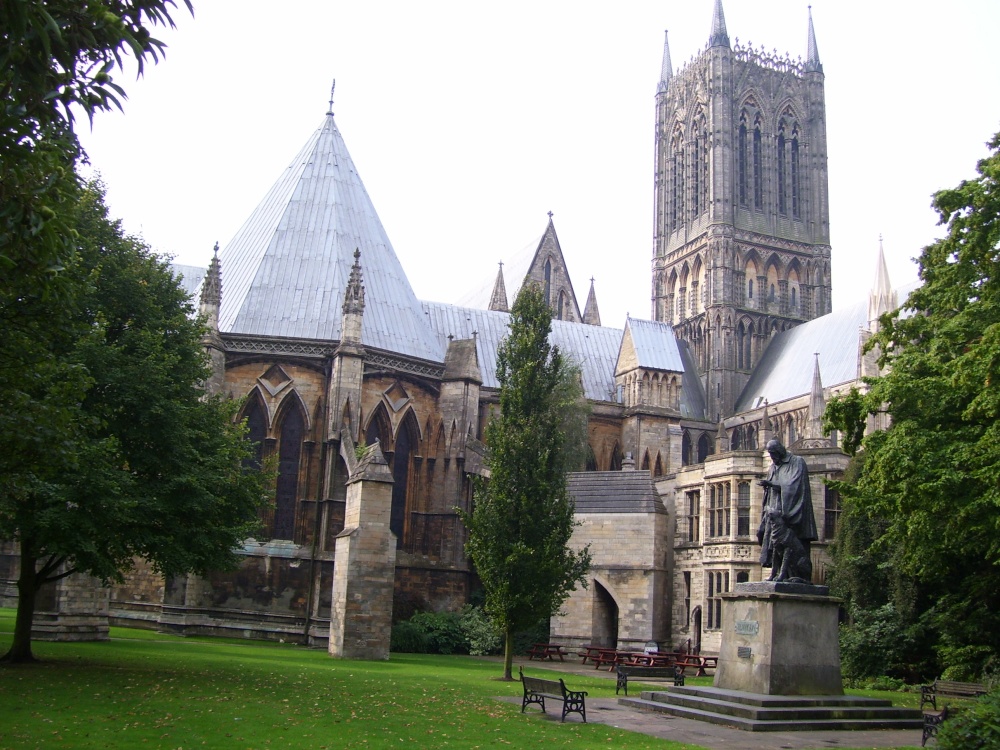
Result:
[696,631]
[604,624]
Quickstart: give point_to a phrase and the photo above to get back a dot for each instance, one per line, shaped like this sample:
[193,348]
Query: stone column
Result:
[780,639]
[364,563]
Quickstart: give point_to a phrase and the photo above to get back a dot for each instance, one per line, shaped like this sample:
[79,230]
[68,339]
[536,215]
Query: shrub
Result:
[976,728]
[408,638]
[877,643]
[482,635]
[443,630]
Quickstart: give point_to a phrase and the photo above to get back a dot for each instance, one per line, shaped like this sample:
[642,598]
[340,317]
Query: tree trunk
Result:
[508,654]
[27,587]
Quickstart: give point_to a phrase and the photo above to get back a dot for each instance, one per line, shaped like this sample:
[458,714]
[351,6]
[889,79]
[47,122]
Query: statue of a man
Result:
[787,525]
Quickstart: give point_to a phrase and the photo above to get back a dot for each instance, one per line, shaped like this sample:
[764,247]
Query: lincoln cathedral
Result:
[314,327]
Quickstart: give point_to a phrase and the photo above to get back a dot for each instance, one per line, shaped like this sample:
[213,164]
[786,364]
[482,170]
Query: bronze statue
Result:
[787,524]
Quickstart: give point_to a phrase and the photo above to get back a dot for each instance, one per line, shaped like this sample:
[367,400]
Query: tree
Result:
[56,59]
[522,516]
[933,478]
[139,461]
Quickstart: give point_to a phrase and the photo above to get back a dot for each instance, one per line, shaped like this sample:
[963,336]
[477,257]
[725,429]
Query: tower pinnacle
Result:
[813,65]
[719,36]
[666,70]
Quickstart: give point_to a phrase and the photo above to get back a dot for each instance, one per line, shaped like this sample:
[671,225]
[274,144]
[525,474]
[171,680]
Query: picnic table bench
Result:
[641,672]
[536,690]
[589,652]
[698,663]
[543,651]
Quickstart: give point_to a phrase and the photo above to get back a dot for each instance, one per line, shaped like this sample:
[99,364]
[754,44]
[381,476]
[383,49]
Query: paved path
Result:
[608,711]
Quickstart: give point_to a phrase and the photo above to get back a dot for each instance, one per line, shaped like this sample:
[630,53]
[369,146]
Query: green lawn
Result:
[143,689]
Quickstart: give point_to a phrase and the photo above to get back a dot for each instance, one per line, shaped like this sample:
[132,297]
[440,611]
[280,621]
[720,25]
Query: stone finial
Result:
[354,296]
[211,288]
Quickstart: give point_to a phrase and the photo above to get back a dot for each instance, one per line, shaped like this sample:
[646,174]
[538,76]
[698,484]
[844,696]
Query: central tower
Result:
[742,229]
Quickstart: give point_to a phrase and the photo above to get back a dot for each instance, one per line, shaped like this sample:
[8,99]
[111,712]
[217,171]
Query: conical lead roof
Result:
[286,270]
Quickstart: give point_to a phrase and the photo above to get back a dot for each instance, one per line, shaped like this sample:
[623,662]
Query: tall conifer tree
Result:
[522,517]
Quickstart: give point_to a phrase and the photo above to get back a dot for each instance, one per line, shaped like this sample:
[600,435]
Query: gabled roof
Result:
[285,271]
[649,345]
[529,263]
[786,369]
[614,492]
[593,348]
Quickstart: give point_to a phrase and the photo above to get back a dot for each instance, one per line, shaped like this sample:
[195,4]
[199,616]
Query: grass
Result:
[146,689]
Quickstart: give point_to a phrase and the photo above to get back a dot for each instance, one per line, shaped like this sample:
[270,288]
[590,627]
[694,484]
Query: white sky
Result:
[469,121]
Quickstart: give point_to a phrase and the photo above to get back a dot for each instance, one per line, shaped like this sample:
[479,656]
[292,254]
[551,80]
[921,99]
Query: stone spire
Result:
[881,298]
[817,404]
[354,303]
[813,65]
[211,292]
[498,301]
[667,70]
[591,315]
[208,308]
[719,36]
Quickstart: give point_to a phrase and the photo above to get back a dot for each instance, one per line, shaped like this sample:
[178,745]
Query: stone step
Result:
[788,718]
[768,701]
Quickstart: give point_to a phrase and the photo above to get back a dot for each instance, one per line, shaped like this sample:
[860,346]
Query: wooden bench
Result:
[543,651]
[950,688]
[647,673]
[932,723]
[536,690]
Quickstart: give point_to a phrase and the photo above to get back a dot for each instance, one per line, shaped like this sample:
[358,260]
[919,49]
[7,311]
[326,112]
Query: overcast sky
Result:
[469,121]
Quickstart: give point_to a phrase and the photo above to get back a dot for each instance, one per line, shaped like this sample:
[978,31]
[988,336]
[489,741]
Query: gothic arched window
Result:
[782,168]
[686,448]
[548,282]
[758,167]
[287,484]
[255,414]
[796,202]
[704,448]
[742,167]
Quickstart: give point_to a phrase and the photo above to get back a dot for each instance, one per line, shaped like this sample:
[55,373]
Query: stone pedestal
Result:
[780,639]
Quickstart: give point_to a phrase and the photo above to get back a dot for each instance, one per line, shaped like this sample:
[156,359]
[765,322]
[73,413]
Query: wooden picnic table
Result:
[698,663]
[589,652]
[611,658]
[543,651]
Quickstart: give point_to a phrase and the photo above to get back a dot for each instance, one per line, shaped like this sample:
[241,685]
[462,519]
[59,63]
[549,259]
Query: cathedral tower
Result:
[742,231]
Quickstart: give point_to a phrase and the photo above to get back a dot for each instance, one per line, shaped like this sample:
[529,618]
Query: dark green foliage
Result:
[536,633]
[929,492]
[408,638]
[137,461]
[465,632]
[57,57]
[522,518]
[976,727]
[444,632]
